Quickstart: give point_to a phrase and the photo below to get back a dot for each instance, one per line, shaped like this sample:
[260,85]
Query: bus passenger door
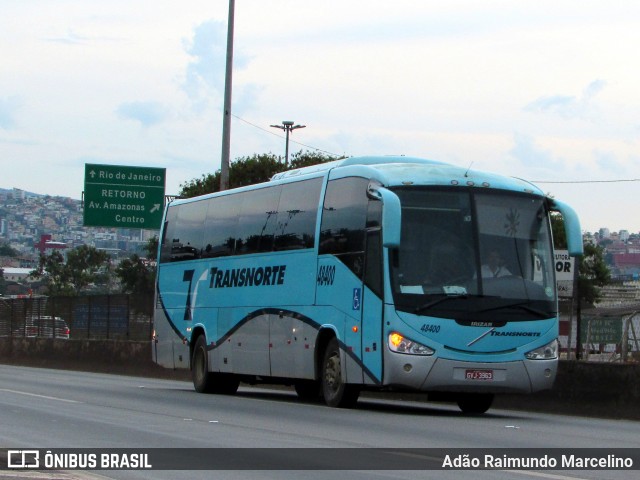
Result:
[372,309]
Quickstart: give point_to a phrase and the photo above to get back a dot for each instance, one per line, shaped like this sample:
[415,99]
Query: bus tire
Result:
[335,391]
[205,381]
[475,403]
[308,390]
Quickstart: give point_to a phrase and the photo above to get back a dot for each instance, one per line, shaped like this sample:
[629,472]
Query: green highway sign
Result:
[123,197]
[601,330]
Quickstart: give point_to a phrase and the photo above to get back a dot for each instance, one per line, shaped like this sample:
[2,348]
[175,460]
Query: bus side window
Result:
[221,226]
[342,231]
[187,237]
[297,212]
[257,224]
[167,234]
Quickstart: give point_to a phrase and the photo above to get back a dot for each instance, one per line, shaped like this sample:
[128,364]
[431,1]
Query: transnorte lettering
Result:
[247,277]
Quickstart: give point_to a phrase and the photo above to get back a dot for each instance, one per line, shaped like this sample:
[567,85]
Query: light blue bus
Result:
[387,273]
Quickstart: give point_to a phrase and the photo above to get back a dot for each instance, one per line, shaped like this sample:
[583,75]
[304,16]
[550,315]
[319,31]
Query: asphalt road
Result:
[42,408]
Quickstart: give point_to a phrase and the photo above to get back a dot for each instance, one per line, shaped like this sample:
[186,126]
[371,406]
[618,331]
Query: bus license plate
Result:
[479,375]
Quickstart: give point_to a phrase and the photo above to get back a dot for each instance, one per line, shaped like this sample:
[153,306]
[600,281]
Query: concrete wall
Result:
[106,356]
[594,389]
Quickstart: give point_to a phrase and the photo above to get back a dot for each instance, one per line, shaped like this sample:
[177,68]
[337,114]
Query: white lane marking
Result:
[38,396]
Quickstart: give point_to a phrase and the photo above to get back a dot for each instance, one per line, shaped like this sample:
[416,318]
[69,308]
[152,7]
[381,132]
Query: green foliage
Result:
[7,251]
[151,248]
[558,231]
[135,275]
[84,266]
[593,273]
[87,265]
[250,170]
[52,269]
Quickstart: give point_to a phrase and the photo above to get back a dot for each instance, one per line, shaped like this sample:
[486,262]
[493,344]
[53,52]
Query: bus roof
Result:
[396,171]
[401,170]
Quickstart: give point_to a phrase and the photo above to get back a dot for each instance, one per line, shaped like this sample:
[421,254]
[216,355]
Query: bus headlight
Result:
[400,344]
[548,352]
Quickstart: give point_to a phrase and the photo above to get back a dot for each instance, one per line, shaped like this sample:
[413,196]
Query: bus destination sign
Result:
[123,197]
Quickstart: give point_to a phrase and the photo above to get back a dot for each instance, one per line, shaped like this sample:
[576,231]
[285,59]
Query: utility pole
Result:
[287,126]
[226,120]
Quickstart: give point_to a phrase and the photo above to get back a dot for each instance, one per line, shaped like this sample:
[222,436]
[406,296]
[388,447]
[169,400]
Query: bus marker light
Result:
[355,329]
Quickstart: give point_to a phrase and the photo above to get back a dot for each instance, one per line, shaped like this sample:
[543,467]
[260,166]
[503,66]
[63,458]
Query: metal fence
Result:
[118,317]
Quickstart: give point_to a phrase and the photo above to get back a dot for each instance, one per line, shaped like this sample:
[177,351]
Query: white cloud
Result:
[449,80]
[8,109]
[568,106]
[147,113]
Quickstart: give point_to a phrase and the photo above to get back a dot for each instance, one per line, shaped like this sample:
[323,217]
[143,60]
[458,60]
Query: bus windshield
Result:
[474,256]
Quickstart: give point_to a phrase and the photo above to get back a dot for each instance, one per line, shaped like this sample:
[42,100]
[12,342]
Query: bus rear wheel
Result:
[475,403]
[205,381]
[335,391]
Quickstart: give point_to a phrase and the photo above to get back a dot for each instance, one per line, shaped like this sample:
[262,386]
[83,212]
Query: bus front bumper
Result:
[433,374]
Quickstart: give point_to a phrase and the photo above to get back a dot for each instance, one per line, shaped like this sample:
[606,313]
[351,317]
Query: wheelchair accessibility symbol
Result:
[356,298]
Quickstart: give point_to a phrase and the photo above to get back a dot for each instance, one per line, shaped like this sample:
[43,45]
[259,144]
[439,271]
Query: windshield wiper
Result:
[521,306]
[445,298]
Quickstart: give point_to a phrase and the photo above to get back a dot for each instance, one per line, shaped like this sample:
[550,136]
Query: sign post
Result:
[123,197]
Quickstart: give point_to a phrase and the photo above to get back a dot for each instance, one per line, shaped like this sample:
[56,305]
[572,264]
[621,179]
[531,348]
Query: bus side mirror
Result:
[391,215]
[571,227]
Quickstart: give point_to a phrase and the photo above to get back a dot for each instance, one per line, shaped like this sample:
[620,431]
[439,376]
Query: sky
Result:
[548,91]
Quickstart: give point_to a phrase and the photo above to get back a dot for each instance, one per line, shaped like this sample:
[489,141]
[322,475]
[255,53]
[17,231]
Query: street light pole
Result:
[226,120]
[287,126]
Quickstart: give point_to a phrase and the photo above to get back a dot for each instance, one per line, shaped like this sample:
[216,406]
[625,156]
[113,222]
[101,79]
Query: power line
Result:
[622,180]
[270,132]
[280,136]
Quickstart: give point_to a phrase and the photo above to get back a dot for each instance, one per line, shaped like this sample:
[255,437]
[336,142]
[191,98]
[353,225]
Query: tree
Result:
[593,273]
[7,251]
[558,231]
[137,275]
[250,170]
[151,248]
[87,265]
[84,266]
[52,270]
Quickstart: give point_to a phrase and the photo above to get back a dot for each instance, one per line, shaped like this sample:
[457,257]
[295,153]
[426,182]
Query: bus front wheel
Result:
[308,390]
[335,391]
[475,403]
[205,381]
